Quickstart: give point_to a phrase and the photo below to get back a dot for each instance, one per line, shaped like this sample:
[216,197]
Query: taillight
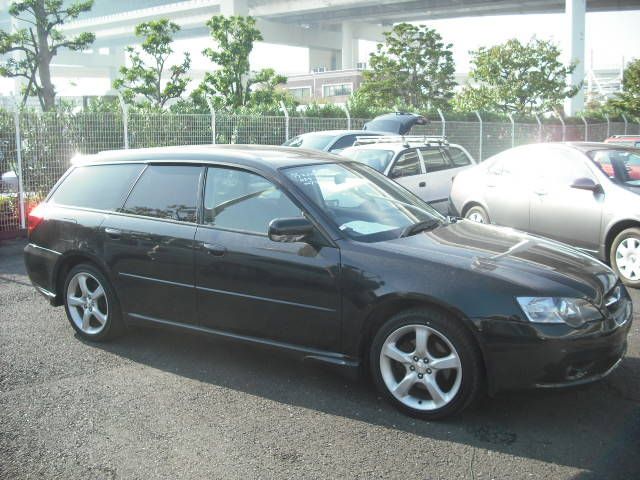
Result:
[35,218]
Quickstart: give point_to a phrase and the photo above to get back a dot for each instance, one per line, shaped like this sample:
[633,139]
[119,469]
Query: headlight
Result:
[572,311]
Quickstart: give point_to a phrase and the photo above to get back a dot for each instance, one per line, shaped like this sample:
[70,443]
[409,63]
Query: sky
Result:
[609,37]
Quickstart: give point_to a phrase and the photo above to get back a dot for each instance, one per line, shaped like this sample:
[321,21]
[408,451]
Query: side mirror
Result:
[586,184]
[290,230]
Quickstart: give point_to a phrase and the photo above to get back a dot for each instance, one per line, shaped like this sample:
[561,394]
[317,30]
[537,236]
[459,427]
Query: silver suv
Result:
[423,165]
[583,194]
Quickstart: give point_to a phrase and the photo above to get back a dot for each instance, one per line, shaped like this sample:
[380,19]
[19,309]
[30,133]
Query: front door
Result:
[250,285]
[150,245]
[558,211]
[408,170]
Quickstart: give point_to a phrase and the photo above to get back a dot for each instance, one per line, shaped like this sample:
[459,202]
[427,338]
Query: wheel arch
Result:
[66,263]
[392,305]
[615,230]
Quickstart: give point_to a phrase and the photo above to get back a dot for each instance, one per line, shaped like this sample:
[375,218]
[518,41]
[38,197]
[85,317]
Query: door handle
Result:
[214,249]
[113,233]
[422,184]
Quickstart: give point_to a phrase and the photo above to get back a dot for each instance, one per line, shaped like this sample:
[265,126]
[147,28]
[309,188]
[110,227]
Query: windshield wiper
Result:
[420,227]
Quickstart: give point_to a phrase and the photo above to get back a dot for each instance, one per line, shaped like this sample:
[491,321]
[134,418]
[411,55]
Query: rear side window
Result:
[166,191]
[103,187]
[458,157]
[343,142]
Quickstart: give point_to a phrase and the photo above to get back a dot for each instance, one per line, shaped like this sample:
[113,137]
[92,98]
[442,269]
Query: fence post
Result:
[624,118]
[444,123]
[539,128]
[606,115]
[564,126]
[16,121]
[481,135]
[125,120]
[283,107]
[346,111]
[586,128]
[212,112]
[513,130]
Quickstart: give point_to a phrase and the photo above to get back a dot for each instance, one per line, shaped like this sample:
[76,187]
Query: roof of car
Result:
[393,146]
[588,146]
[252,156]
[340,132]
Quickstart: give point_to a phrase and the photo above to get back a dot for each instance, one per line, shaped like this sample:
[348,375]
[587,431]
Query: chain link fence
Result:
[48,141]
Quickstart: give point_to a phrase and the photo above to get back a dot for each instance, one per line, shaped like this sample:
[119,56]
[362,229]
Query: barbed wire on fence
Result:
[47,142]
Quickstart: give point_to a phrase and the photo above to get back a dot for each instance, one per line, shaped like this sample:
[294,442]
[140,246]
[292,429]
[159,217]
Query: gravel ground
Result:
[157,404]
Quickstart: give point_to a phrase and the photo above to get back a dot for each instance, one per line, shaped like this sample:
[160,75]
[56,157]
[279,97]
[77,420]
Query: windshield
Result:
[377,159]
[363,203]
[313,141]
[621,165]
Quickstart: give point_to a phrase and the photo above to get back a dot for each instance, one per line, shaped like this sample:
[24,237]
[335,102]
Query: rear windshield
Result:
[103,187]
[316,142]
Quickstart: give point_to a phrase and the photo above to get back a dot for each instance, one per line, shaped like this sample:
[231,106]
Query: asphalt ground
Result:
[156,404]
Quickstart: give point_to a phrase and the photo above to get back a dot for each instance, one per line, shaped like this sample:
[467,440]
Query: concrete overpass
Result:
[330,29]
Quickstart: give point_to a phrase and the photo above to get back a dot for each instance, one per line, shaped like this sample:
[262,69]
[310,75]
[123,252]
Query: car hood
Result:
[536,265]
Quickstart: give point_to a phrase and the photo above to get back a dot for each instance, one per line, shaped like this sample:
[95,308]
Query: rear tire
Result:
[477,214]
[426,364]
[91,304]
[625,256]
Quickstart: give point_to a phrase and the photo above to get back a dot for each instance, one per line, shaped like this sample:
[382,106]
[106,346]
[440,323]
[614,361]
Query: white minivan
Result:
[424,165]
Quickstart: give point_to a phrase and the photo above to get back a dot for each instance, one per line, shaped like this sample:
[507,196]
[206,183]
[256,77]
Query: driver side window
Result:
[407,164]
[240,200]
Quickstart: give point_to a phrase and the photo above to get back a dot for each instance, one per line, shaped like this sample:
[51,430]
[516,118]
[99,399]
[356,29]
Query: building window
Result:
[300,93]
[337,90]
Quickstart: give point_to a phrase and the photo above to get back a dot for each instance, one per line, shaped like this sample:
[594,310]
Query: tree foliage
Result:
[628,101]
[517,78]
[232,85]
[412,68]
[148,80]
[31,49]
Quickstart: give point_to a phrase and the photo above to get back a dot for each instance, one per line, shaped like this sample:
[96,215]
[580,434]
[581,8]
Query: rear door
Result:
[408,170]
[507,188]
[149,244]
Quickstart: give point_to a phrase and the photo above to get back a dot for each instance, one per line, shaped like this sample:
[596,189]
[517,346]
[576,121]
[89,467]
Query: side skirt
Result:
[347,365]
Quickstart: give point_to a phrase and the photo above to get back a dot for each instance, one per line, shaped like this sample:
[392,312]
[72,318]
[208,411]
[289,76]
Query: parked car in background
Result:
[583,194]
[423,165]
[326,258]
[626,140]
[332,141]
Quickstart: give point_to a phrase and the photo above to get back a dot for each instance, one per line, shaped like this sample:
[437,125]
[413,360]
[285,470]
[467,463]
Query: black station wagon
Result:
[326,257]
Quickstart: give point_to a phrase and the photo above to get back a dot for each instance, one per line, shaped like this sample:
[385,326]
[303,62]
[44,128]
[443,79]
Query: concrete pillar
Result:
[349,46]
[234,7]
[326,58]
[574,51]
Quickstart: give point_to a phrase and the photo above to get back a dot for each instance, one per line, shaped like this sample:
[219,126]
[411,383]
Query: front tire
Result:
[625,256]
[91,304]
[477,214]
[426,364]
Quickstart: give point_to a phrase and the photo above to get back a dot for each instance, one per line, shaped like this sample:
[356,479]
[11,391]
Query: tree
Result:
[517,78]
[32,48]
[232,85]
[413,68]
[628,101]
[148,80]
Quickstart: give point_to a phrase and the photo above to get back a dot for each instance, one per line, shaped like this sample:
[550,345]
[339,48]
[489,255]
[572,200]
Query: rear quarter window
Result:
[102,187]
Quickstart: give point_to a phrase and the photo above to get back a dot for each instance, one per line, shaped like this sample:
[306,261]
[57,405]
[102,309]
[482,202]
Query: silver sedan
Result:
[583,194]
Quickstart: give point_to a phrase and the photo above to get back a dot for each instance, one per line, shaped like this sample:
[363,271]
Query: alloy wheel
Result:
[628,258]
[420,367]
[476,217]
[87,303]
